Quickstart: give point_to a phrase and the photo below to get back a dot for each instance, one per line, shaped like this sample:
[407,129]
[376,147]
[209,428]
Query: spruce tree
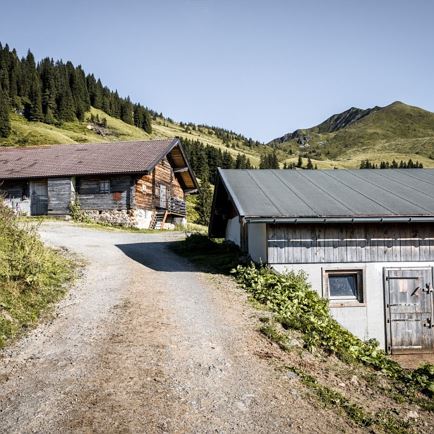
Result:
[204,201]
[5,126]
[33,107]
[309,165]
[300,162]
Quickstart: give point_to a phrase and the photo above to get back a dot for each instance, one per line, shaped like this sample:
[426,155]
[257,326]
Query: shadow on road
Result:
[156,256]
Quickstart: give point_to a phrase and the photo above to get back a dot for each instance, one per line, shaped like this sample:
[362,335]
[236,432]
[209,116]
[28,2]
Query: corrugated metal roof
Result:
[82,159]
[331,193]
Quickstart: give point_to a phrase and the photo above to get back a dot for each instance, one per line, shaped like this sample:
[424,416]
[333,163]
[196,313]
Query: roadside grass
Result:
[32,276]
[355,378]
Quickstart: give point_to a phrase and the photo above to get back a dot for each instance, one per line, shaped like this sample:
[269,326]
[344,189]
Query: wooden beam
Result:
[180,169]
[190,190]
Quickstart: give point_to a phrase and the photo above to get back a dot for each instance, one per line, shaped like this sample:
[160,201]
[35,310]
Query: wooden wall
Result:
[59,195]
[121,194]
[147,187]
[346,243]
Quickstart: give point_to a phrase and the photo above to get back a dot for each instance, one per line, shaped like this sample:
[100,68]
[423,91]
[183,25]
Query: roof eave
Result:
[339,220]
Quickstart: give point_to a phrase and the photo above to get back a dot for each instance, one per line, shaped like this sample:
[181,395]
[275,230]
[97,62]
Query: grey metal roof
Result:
[339,194]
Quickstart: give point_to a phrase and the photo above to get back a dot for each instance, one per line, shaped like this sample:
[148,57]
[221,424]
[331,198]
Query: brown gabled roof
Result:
[83,159]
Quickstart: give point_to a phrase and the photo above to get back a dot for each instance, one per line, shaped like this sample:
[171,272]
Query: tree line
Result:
[410,164]
[205,159]
[54,92]
[270,161]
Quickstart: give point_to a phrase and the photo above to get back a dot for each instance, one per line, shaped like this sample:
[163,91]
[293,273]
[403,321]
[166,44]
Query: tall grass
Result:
[31,275]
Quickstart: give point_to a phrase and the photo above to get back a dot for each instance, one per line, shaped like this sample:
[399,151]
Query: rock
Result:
[412,415]
[354,380]
[291,375]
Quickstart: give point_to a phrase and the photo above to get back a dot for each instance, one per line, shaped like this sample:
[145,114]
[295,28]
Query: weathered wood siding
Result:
[298,244]
[144,193]
[164,175]
[121,194]
[59,195]
[147,187]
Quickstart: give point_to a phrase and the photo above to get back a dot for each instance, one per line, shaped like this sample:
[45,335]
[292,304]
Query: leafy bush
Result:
[77,213]
[31,275]
[298,307]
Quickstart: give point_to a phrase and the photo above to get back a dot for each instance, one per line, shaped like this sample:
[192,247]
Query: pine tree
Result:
[309,165]
[204,202]
[33,108]
[5,126]
[300,162]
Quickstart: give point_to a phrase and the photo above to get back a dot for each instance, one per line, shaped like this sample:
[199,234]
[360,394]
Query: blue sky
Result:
[261,68]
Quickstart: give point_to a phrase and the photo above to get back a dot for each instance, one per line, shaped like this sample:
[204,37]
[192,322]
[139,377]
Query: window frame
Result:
[345,301]
[104,182]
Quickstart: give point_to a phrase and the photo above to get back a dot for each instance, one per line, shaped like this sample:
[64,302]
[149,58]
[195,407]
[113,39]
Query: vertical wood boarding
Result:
[292,244]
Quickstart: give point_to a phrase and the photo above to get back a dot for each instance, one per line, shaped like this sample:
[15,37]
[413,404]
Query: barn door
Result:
[39,197]
[163,196]
[409,310]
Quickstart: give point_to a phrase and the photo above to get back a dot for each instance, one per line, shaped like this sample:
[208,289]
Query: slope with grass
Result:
[32,276]
[397,131]
[25,133]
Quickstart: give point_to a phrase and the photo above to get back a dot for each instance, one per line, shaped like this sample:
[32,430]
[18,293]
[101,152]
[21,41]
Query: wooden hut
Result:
[141,184]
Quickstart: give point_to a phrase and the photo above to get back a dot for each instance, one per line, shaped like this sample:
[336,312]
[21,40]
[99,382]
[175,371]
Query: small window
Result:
[104,186]
[345,285]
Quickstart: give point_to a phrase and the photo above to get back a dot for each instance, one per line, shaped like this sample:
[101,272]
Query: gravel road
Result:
[144,343]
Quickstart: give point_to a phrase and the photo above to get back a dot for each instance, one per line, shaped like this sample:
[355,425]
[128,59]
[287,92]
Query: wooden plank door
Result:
[409,310]
[163,196]
[39,197]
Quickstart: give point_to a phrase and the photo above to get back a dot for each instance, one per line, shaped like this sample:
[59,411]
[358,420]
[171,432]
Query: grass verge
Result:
[32,276]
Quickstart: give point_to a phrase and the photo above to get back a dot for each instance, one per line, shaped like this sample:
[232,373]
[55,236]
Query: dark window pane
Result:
[343,285]
[104,186]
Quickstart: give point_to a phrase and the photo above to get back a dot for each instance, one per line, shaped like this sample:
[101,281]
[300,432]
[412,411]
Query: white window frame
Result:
[345,301]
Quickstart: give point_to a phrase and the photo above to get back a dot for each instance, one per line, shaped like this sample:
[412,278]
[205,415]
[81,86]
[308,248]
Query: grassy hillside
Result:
[25,133]
[397,131]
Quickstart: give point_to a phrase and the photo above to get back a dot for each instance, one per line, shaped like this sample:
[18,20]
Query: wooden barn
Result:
[365,238]
[141,184]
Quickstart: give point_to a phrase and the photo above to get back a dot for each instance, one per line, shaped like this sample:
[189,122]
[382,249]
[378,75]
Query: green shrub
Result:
[298,307]
[77,213]
[31,275]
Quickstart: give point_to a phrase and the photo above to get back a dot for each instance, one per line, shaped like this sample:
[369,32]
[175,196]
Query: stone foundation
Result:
[132,218]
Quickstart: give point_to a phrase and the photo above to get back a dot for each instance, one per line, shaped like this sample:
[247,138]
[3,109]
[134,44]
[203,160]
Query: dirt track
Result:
[144,343]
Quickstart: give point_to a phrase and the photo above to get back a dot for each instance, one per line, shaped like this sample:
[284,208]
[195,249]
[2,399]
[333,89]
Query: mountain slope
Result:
[397,131]
[25,133]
